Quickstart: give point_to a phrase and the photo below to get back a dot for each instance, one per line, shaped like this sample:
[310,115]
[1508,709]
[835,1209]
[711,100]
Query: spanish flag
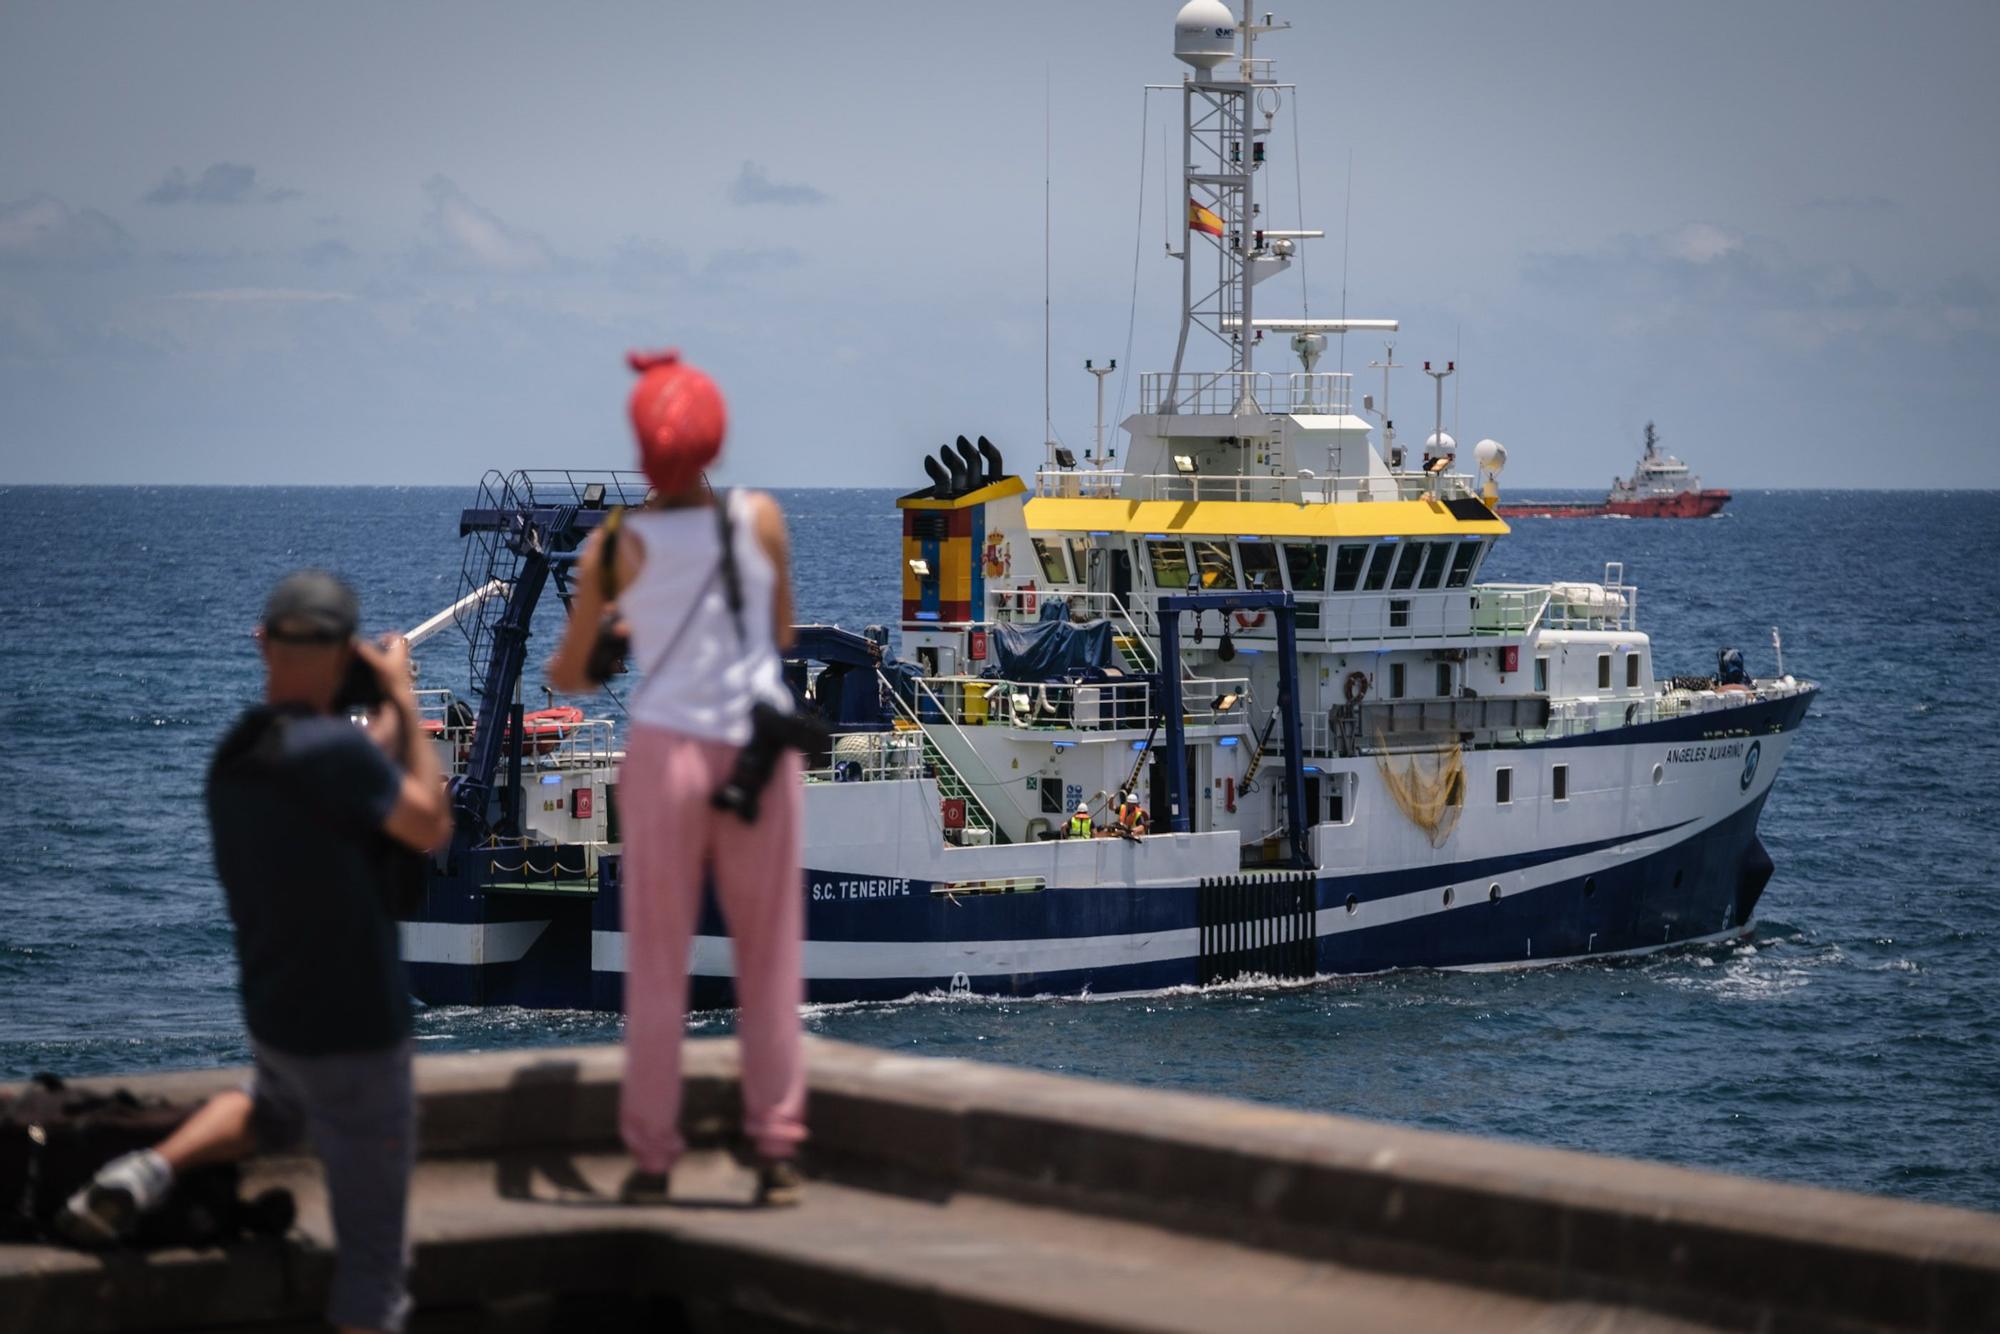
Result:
[1201,220]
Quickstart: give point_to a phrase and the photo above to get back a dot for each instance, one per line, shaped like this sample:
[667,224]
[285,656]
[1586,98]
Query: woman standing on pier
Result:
[702,585]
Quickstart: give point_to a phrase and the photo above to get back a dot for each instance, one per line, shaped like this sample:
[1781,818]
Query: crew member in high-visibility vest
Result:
[1079,824]
[1132,818]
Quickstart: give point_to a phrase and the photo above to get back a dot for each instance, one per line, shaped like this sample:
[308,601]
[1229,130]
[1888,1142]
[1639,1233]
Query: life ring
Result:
[1246,620]
[1355,687]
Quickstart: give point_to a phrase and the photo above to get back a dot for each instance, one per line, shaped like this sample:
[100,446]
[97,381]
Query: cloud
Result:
[237,296]
[644,256]
[43,232]
[1703,264]
[321,254]
[466,237]
[753,185]
[219,183]
[746,260]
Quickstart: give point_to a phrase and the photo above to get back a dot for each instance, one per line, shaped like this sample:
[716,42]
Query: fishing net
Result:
[1428,786]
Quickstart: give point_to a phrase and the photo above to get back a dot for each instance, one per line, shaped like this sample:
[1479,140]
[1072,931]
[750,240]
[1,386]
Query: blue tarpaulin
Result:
[1051,649]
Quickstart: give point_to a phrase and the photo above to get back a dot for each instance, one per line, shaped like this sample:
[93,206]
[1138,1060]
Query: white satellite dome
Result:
[1490,455]
[1204,33]
[1439,442]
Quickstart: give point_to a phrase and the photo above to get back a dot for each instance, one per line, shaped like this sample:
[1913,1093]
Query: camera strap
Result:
[607,554]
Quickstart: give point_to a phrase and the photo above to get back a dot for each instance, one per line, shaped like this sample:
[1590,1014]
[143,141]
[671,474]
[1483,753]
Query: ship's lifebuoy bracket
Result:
[1355,687]
[1249,620]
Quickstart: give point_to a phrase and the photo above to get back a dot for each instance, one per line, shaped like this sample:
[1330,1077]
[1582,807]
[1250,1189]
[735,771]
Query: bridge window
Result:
[1378,570]
[1260,565]
[1462,562]
[1604,671]
[1212,563]
[1632,670]
[1170,565]
[1559,783]
[1407,561]
[1503,787]
[1542,675]
[1079,558]
[1305,562]
[1051,556]
[1348,559]
[1305,565]
[1439,556]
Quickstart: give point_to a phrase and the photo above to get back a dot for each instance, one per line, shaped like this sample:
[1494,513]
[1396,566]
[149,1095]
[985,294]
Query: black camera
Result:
[772,732]
[360,688]
[608,651]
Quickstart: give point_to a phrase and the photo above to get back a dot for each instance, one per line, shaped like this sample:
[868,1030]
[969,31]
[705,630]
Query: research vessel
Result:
[1660,487]
[1262,622]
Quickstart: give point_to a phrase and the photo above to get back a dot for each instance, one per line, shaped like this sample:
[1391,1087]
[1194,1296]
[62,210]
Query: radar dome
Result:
[1204,33]
[1490,455]
[1440,442]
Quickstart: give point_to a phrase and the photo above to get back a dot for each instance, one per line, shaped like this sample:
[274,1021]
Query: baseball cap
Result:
[678,418]
[311,607]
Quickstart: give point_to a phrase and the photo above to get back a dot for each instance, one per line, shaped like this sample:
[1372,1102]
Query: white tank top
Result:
[706,686]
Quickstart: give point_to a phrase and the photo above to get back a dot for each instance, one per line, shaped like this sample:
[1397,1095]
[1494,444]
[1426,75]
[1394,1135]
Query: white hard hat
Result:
[1083,808]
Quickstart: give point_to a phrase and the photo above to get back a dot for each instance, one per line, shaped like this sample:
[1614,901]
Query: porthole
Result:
[1448,897]
[1493,893]
[1589,885]
[1659,774]
[1352,904]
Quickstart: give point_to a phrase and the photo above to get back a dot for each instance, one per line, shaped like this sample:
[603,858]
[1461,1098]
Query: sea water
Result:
[1853,1040]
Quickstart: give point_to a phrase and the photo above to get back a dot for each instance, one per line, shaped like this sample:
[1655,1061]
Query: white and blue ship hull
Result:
[1655,845]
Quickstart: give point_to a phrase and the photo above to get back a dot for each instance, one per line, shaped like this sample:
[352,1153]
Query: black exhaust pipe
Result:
[940,479]
[970,457]
[995,469]
[955,468]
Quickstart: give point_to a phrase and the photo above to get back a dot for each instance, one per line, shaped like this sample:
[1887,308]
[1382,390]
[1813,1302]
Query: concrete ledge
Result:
[1498,1218]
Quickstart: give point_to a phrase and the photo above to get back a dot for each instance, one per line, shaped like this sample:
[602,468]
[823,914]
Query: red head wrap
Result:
[678,417]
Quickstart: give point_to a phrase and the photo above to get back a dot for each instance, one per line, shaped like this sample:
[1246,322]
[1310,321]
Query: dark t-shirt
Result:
[296,804]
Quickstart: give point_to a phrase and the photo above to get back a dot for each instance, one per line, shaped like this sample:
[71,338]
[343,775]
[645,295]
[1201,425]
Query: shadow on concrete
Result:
[540,1108]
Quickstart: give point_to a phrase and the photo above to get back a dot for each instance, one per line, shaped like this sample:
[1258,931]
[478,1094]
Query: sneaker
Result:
[106,1209]
[778,1183]
[643,1188]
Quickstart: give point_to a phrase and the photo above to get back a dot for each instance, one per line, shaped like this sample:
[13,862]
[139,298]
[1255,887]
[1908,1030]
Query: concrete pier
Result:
[948,1195]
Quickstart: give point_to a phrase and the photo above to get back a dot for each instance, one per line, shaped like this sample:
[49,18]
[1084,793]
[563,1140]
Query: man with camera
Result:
[316,829]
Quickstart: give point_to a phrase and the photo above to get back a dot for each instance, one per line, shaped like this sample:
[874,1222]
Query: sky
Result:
[402,244]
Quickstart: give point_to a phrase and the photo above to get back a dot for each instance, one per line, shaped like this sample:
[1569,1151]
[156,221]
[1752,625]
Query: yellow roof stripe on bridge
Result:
[1259,518]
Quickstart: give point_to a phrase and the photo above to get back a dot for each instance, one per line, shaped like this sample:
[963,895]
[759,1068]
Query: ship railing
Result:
[590,744]
[1079,483]
[871,757]
[1221,393]
[1065,706]
[1587,606]
[1483,611]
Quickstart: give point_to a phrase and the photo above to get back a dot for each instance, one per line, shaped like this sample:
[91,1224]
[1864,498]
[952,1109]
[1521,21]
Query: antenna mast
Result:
[1097,451]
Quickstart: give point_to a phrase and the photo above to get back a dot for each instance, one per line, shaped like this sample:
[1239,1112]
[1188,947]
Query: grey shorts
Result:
[358,1112]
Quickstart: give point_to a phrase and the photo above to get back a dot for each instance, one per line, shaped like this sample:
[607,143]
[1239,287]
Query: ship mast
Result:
[1221,149]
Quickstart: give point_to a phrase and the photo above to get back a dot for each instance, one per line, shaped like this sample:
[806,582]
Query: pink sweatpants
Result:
[672,835]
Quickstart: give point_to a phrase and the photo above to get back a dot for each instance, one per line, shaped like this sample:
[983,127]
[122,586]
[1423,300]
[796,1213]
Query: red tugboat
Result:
[1660,487]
